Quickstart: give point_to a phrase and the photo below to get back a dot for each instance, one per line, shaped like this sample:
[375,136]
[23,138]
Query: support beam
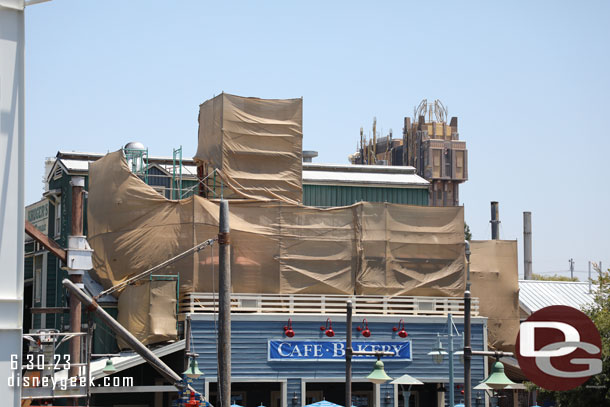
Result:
[49,310]
[12,202]
[45,241]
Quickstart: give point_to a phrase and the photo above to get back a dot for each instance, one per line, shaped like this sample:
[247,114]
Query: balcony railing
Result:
[204,303]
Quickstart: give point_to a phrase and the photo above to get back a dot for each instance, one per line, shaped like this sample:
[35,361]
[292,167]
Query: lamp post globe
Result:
[378,375]
[438,353]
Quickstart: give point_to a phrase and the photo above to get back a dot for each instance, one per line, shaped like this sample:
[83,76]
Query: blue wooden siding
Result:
[337,195]
[249,351]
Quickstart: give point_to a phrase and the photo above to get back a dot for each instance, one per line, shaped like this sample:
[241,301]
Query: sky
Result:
[529,82]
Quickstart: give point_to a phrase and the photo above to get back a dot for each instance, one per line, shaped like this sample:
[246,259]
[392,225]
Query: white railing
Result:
[327,304]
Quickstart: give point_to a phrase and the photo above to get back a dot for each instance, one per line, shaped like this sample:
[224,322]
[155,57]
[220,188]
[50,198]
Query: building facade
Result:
[271,369]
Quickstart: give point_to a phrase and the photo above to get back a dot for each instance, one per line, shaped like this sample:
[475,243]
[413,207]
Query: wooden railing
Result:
[327,304]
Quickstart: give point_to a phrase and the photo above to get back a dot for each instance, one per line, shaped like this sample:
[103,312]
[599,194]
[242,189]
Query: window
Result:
[37,279]
[57,231]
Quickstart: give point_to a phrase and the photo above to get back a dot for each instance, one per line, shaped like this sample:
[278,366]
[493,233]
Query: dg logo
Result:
[559,348]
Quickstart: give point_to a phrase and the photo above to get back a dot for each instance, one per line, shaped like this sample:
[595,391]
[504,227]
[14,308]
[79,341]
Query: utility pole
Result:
[571,261]
[224,296]
[589,277]
[598,267]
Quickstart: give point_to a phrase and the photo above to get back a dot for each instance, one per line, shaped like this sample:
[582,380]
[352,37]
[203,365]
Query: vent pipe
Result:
[527,245]
[495,220]
[309,155]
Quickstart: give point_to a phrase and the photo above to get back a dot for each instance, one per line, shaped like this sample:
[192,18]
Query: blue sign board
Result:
[334,350]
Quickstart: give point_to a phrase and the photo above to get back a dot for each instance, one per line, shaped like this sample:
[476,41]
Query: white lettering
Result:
[307,349]
[317,350]
[527,338]
[397,349]
[296,352]
[594,365]
[279,349]
[338,349]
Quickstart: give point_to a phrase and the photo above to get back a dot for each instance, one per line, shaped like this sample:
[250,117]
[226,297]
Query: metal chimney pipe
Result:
[527,245]
[495,220]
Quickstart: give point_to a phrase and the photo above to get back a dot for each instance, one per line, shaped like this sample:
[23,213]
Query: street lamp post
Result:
[438,353]
[348,356]
[467,324]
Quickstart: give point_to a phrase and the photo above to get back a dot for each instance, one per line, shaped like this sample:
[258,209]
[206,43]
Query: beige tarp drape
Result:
[495,281]
[148,311]
[238,134]
[276,247]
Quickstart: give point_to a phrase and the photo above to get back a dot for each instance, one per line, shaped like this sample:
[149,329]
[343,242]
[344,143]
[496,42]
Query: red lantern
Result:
[288,329]
[401,329]
[366,332]
[328,328]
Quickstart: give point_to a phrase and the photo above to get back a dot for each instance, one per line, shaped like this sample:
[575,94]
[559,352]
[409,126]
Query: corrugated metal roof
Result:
[363,175]
[386,169]
[536,294]
[75,165]
[79,166]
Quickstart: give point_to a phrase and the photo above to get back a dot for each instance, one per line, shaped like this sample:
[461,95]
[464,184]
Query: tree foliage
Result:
[596,391]
[554,277]
[467,234]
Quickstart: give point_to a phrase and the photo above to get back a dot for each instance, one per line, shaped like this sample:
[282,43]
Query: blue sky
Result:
[529,82]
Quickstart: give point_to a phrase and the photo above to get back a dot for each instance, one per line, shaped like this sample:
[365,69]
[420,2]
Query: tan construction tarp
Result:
[256,144]
[276,247]
[148,311]
[495,281]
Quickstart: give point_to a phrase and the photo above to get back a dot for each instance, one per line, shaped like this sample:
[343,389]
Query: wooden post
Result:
[224,296]
[76,277]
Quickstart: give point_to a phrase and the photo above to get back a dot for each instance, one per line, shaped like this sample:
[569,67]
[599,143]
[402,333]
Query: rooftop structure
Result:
[330,185]
[428,144]
[537,294]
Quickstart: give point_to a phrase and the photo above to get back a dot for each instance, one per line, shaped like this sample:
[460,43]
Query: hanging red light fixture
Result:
[401,329]
[288,331]
[328,328]
[366,332]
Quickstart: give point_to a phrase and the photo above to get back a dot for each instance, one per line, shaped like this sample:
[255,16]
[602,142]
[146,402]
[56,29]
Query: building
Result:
[430,145]
[329,185]
[270,366]
[52,215]
[275,370]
